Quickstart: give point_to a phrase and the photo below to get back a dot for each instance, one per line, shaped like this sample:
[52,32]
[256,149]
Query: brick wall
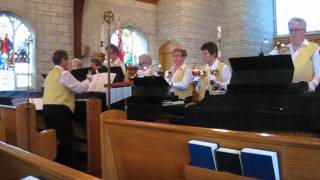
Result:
[244,24]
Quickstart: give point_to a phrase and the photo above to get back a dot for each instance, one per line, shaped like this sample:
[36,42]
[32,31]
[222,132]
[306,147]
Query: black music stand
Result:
[80,74]
[261,74]
[151,86]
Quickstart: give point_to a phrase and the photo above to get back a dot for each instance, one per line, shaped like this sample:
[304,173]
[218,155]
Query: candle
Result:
[219,32]
[102,32]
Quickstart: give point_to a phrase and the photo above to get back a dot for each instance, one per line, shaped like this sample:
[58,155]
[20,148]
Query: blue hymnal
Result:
[228,160]
[202,154]
[260,164]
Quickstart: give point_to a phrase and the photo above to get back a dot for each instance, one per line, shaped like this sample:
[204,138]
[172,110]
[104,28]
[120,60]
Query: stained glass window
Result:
[16,53]
[131,42]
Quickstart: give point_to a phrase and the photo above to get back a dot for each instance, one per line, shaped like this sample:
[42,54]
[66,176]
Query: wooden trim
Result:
[2,132]
[93,111]
[149,1]
[18,163]
[77,26]
[21,130]
[193,172]
[137,150]
[227,134]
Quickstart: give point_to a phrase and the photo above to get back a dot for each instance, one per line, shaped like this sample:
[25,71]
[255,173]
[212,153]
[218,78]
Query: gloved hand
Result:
[312,85]
[89,77]
[213,78]
[140,73]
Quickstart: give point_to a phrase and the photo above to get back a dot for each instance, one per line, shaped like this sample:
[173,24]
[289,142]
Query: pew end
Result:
[44,143]
[144,150]
[114,114]
[21,129]
[18,163]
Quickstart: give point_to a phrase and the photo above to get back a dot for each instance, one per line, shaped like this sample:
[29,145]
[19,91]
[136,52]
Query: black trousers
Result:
[59,117]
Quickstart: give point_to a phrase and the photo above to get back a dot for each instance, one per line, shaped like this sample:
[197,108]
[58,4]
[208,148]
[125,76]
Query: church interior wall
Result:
[244,24]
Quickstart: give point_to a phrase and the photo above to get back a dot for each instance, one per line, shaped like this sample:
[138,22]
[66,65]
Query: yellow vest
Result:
[204,81]
[55,92]
[151,72]
[178,78]
[303,65]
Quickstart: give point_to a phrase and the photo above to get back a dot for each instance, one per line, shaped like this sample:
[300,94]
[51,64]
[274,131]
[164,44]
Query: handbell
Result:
[215,72]
[215,86]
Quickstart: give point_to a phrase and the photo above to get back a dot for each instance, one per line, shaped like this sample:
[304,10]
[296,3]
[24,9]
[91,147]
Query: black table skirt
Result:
[257,113]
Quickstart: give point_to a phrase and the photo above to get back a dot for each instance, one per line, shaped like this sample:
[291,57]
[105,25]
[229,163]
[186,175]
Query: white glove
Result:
[140,73]
[213,78]
[312,86]
[89,77]
[156,74]
[196,78]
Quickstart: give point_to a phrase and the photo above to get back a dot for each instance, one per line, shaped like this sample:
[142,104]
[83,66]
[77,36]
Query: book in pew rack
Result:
[229,160]
[260,164]
[202,154]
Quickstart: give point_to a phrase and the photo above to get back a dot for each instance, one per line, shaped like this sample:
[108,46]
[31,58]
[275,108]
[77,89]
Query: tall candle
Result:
[219,32]
[219,40]
[102,32]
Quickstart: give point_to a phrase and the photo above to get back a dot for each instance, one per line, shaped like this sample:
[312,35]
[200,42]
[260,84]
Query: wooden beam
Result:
[149,1]
[77,26]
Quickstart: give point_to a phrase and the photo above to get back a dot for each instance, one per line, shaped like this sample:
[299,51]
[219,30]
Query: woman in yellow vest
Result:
[305,54]
[179,76]
[58,103]
[145,67]
[216,74]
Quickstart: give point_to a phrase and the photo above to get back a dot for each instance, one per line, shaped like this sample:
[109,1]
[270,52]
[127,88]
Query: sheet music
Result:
[98,81]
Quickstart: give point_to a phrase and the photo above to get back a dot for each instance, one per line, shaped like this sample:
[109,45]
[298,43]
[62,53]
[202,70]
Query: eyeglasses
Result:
[295,30]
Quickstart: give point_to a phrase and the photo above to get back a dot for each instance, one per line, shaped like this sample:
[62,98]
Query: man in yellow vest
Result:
[179,76]
[216,74]
[58,103]
[305,54]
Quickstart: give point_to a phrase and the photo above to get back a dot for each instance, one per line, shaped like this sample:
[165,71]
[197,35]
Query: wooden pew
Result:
[144,150]
[2,132]
[17,163]
[93,110]
[90,131]
[21,130]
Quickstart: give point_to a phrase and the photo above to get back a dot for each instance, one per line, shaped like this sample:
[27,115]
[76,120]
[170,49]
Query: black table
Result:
[257,112]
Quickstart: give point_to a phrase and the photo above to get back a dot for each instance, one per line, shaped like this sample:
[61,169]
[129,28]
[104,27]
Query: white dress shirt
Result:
[187,78]
[116,63]
[225,74]
[67,79]
[315,60]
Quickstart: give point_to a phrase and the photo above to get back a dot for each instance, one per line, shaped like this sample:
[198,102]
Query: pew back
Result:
[21,130]
[2,132]
[93,111]
[144,150]
[17,163]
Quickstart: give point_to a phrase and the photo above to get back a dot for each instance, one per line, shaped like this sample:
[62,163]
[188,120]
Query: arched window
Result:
[131,43]
[16,52]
